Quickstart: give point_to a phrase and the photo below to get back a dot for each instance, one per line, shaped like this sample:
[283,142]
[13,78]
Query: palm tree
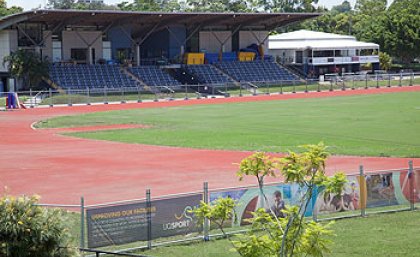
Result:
[27,66]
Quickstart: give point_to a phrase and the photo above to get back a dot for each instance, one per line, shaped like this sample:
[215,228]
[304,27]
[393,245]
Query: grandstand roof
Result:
[266,21]
[305,39]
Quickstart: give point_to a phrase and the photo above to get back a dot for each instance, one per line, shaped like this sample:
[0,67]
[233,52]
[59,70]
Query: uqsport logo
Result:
[181,221]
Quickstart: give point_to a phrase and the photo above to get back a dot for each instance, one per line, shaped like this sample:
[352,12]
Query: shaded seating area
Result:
[155,77]
[90,76]
[207,74]
[256,71]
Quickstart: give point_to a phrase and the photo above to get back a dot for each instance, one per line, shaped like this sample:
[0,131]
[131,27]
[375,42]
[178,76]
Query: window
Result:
[79,54]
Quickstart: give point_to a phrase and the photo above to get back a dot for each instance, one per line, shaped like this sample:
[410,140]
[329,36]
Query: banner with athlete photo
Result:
[381,189]
[348,201]
[410,186]
[277,198]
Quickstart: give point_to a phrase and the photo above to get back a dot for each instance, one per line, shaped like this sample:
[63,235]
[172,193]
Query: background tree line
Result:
[395,28]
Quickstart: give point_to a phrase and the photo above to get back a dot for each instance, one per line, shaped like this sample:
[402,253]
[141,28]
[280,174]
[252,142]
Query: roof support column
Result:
[184,42]
[260,43]
[90,53]
[139,42]
[222,43]
[90,44]
[26,35]
[181,43]
[138,58]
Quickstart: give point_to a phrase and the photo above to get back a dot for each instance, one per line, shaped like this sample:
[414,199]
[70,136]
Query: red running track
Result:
[61,169]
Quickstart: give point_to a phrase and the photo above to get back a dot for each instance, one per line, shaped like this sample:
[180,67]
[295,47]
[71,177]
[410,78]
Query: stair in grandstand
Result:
[141,82]
[295,70]
[232,79]
[207,74]
[52,84]
[155,78]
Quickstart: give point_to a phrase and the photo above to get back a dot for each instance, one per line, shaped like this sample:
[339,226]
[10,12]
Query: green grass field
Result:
[389,235]
[371,125]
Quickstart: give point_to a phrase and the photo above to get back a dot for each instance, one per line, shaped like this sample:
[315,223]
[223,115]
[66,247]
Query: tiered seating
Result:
[154,76]
[207,74]
[90,76]
[256,71]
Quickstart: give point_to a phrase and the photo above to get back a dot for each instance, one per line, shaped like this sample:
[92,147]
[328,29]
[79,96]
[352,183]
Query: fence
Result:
[139,94]
[127,226]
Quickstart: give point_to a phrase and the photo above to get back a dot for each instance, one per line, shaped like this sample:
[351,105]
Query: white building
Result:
[91,1]
[317,53]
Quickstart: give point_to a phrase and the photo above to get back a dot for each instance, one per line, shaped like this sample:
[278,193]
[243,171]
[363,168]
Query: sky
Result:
[30,4]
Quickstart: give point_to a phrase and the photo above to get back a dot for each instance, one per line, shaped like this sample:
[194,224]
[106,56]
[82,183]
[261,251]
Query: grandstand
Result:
[76,41]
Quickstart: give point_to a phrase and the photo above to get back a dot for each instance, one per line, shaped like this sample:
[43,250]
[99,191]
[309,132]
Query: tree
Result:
[4,11]
[402,30]
[93,6]
[61,4]
[385,61]
[140,5]
[74,4]
[289,5]
[369,20]
[289,235]
[27,66]
[344,7]
[27,230]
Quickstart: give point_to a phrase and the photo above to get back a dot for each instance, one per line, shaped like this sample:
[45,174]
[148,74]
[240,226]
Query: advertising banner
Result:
[416,186]
[173,216]
[277,197]
[121,224]
[116,225]
[409,186]
[381,189]
[348,201]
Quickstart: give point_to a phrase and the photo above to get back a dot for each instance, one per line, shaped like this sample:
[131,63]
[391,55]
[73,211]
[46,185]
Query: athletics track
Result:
[62,169]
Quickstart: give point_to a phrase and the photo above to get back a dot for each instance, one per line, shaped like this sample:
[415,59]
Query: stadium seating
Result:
[256,71]
[207,74]
[155,77]
[90,76]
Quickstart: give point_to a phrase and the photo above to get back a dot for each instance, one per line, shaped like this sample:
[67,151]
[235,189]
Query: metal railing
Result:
[89,96]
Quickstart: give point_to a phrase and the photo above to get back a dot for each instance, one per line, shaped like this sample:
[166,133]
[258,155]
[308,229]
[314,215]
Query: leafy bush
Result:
[28,230]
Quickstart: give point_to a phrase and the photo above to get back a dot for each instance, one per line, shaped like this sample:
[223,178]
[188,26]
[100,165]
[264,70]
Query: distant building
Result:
[318,53]
[91,1]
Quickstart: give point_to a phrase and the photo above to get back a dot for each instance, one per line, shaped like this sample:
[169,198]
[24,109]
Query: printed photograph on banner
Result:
[381,190]
[348,201]
[417,185]
[409,190]
[276,199]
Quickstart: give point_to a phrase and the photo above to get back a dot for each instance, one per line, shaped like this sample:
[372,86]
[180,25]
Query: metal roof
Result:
[305,39]
[104,18]
[309,35]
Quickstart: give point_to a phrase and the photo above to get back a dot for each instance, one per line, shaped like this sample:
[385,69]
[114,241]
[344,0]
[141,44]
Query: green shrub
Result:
[28,230]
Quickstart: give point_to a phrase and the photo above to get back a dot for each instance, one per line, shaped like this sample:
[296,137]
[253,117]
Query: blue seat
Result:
[90,76]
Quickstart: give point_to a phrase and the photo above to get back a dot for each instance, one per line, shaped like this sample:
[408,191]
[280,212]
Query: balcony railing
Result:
[343,60]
